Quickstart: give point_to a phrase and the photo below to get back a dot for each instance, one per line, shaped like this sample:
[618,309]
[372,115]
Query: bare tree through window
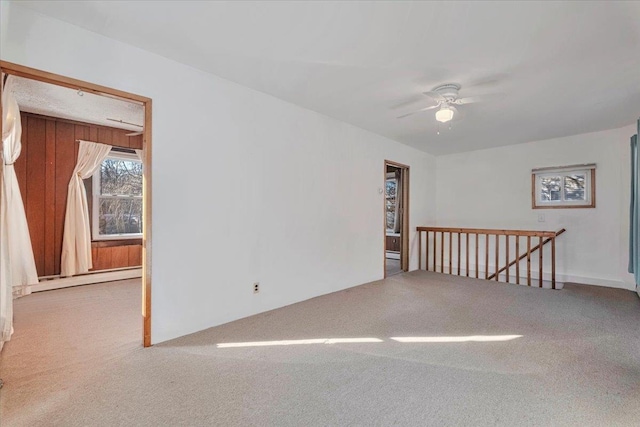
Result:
[120,197]
[390,202]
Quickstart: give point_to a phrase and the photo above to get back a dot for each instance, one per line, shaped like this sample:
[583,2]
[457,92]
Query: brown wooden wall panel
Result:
[135,142]
[65,160]
[80,132]
[135,255]
[105,136]
[50,197]
[120,138]
[107,257]
[20,166]
[34,206]
[93,134]
[103,259]
[120,256]
[44,168]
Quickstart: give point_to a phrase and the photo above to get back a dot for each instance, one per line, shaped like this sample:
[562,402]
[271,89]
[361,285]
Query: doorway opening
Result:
[396,217]
[120,220]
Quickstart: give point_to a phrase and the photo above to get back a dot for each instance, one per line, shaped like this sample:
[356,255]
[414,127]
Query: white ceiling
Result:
[556,68]
[57,101]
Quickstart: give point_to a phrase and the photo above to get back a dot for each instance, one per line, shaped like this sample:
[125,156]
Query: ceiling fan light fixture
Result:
[444,114]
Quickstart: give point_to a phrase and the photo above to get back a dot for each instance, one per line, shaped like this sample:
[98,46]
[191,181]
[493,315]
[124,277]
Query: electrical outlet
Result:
[256,287]
[541,218]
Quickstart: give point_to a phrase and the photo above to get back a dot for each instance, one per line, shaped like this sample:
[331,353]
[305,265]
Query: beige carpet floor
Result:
[576,362]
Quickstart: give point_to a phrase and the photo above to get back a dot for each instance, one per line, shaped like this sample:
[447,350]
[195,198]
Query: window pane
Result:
[550,188]
[391,215]
[391,188]
[574,187]
[120,216]
[390,194]
[121,177]
[391,219]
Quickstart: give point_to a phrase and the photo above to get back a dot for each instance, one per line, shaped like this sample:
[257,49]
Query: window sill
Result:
[592,205]
[115,242]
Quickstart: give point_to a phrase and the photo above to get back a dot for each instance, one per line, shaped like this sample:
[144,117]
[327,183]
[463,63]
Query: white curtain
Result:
[17,265]
[6,299]
[76,240]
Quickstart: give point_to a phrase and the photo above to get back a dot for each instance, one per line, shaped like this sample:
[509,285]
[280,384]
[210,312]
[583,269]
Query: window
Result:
[390,202]
[117,197]
[564,187]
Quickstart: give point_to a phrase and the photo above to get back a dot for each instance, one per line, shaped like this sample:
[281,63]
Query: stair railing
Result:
[472,248]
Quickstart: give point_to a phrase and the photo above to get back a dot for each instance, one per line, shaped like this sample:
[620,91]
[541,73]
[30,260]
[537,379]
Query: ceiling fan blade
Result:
[435,95]
[417,111]
[488,80]
[414,101]
[467,100]
[133,134]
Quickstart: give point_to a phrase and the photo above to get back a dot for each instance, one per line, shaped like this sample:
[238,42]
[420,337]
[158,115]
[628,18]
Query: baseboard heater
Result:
[392,255]
[48,283]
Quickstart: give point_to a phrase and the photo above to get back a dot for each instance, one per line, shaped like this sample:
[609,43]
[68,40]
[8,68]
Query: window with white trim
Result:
[117,197]
[564,187]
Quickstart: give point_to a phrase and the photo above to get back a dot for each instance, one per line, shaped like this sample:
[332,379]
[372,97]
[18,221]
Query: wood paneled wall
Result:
[44,168]
[116,256]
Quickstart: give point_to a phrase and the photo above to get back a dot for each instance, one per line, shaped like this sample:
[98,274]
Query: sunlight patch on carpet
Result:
[471,338]
[298,342]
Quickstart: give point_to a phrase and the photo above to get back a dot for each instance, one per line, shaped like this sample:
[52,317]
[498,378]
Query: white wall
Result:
[492,189]
[246,187]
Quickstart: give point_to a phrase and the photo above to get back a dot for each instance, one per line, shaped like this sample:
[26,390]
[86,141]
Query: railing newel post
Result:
[553,263]
[450,252]
[497,256]
[459,254]
[466,257]
[420,249]
[486,257]
[442,252]
[435,250]
[517,260]
[528,260]
[477,262]
[540,266]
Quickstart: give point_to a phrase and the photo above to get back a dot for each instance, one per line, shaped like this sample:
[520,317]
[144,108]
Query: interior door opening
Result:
[121,215]
[396,216]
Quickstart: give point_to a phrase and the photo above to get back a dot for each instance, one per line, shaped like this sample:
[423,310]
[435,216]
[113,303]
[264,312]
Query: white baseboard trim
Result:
[595,281]
[87,279]
[546,278]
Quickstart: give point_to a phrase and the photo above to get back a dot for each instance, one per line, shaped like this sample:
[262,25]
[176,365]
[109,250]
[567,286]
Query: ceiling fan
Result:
[127,123]
[446,98]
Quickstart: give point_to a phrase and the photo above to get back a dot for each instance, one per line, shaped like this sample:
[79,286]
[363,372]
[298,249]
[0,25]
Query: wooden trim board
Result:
[404,235]
[56,79]
[491,231]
